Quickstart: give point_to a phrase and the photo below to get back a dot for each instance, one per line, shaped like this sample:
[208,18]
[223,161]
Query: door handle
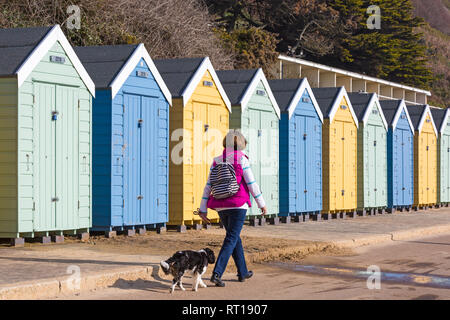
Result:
[259,132]
[140,122]
[55,115]
[55,199]
[206,127]
[140,197]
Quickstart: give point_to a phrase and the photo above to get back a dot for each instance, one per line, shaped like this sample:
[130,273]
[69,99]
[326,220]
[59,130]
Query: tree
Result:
[395,52]
[252,47]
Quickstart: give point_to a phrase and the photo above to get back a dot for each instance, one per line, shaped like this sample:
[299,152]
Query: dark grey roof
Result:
[325,98]
[390,108]
[16,45]
[235,82]
[284,91]
[438,116]
[176,73]
[360,102]
[103,63]
[415,113]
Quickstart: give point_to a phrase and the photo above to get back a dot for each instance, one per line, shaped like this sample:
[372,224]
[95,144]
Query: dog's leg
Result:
[174,283]
[180,284]
[201,282]
[196,282]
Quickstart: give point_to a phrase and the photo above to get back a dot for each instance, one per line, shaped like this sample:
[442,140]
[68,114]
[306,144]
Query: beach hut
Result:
[300,149]
[400,155]
[45,136]
[425,156]
[339,152]
[130,138]
[441,118]
[199,120]
[372,153]
[256,113]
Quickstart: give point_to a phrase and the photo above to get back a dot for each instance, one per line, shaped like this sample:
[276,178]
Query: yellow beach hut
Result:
[199,120]
[339,157]
[425,156]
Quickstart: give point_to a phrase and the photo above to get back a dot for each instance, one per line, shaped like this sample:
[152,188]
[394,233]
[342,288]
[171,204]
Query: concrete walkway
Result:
[44,271]
[361,230]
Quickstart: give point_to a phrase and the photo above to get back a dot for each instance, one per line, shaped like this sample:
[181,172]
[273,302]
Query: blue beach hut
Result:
[130,138]
[400,154]
[300,149]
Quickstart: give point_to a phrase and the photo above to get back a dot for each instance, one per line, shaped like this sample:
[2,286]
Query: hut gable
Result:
[183,77]
[26,47]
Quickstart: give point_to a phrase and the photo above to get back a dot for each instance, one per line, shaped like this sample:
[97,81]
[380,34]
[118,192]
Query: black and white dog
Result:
[194,261]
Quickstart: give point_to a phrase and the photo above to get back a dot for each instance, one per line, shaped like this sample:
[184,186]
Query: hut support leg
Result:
[84,236]
[306,217]
[197,226]
[286,219]
[274,221]
[17,242]
[161,229]
[298,218]
[131,232]
[58,238]
[381,211]
[207,226]
[142,231]
[362,213]
[317,217]
[253,222]
[182,228]
[45,239]
[262,221]
[391,210]
[343,215]
[110,234]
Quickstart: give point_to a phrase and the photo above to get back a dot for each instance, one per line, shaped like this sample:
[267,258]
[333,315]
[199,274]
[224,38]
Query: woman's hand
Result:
[204,217]
[263,211]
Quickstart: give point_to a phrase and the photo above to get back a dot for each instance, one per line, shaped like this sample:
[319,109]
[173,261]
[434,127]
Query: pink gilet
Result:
[242,196]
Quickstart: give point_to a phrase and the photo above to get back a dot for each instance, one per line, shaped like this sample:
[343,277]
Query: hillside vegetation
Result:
[252,33]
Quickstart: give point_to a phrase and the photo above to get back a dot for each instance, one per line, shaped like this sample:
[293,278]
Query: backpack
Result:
[223,181]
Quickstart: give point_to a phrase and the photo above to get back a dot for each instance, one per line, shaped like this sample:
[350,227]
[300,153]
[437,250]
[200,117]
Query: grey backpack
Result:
[223,181]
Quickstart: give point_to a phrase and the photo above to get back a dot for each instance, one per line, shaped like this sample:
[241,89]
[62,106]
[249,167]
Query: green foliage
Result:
[252,47]
[395,52]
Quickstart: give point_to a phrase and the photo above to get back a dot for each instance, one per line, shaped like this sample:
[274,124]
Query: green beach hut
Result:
[256,112]
[45,136]
[372,153]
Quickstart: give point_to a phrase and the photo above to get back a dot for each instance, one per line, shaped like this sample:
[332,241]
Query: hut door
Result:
[381,167]
[339,162]
[56,152]
[150,159]
[371,167]
[349,172]
[431,168]
[44,154]
[405,185]
[445,162]
[132,160]
[254,152]
[67,157]
[301,167]
[201,161]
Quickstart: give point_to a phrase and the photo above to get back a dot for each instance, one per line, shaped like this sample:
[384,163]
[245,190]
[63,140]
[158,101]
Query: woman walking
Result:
[231,199]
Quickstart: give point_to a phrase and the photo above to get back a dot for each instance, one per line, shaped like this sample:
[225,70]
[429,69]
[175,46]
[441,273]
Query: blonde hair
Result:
[234,140]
